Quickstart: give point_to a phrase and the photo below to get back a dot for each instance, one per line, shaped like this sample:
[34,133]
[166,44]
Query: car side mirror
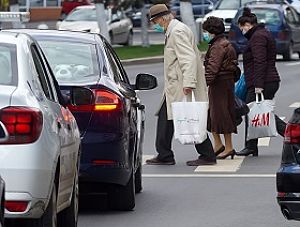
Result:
[3,133]
[145,81]
[81,96]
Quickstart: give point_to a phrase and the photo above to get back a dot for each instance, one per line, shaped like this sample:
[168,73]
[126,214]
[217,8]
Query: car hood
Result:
[79,26]
[221,14]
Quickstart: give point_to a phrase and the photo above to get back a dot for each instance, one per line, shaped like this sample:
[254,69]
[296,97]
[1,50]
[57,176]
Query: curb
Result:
[142,61]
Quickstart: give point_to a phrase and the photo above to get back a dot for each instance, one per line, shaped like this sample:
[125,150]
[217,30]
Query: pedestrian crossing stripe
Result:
[227,166]
[295,105]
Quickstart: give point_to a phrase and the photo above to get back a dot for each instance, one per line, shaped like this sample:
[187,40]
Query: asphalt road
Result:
[238,193]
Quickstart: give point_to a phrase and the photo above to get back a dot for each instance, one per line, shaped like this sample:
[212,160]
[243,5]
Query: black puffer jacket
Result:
[259,58]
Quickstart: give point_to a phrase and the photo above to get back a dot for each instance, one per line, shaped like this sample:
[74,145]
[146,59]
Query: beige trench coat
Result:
[183,66]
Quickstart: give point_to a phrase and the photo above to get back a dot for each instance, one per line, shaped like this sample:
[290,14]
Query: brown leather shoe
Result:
[201,162]
[156,161]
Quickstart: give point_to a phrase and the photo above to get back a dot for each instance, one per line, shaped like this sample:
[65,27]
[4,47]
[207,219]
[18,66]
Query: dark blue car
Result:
[288,175]
[281,19]
[112,126]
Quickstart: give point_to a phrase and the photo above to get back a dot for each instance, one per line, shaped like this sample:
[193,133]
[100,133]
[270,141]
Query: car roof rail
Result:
[14,16]
[266,2]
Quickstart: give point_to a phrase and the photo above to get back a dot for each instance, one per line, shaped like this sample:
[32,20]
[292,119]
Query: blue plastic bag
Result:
[241,88]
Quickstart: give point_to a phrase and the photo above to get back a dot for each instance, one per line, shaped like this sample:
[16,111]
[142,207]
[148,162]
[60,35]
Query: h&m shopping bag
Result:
[261,119]
[190,121]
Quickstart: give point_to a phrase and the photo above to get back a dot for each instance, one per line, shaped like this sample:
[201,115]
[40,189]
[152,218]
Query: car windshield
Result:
[74,63]
[8,64]
[88,14]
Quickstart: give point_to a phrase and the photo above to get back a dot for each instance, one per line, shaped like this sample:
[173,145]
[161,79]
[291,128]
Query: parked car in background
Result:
[69,5]
[200,7]
[283,22]
[41,155]
[112,127]
[288,175]
[84,18]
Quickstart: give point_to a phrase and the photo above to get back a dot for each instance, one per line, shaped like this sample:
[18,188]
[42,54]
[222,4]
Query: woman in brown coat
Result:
[220,66]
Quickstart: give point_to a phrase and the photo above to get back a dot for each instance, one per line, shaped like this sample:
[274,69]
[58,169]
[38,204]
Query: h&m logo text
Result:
[261,120]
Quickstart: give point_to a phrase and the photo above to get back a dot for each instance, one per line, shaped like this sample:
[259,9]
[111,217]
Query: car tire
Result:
[129,41]
[138,179]
[69,216]
[287,56]
[123,197]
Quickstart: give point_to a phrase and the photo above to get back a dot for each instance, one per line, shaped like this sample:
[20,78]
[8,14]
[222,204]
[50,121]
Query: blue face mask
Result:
[158,28]
[206,37]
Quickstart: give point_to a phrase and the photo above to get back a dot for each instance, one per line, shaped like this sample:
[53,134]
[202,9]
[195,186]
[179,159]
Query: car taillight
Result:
[104,101]
[283,35]
[16,206]
[231,35]
[23,124]
[292,133]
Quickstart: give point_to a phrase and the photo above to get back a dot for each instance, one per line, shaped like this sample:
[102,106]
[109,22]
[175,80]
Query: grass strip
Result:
[143,52]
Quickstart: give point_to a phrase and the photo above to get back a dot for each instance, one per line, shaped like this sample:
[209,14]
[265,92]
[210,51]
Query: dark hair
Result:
[247,17]
[214,25]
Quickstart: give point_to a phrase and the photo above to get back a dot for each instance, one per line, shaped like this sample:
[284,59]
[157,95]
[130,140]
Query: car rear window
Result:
[8,64]
[72,63]
[266,16]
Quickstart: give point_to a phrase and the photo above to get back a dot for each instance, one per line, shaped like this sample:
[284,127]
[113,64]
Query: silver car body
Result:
[30,169]
[83,18]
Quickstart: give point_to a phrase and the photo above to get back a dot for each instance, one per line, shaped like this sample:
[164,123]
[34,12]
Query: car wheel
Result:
[138,179]
[129,41]
[69,216]
[122,197]
[287,56]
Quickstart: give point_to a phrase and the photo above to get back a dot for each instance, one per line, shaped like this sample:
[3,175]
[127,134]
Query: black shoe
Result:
[220,150]
[201,162]
[156,161]
[246,151]
[231,153]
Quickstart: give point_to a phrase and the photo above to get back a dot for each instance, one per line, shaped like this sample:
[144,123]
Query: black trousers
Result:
[164,136]
[269,92]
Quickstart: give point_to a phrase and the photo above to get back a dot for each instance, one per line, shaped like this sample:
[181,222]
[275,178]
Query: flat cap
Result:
[158,10]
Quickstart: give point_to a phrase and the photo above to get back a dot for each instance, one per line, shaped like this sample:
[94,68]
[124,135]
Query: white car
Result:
[84,18]
[39,161]
[226,9]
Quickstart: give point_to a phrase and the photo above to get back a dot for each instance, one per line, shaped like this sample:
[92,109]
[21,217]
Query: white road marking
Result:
[227,166]
[145,157]
[295,105]
[292,64]
[209,175]
[264,142]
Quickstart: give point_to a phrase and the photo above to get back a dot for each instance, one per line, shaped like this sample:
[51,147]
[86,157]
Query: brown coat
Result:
[220,65]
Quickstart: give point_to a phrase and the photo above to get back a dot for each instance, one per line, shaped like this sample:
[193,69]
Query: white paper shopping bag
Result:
[190,121]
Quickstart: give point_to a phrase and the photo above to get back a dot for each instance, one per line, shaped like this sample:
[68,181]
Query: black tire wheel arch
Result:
[123,197]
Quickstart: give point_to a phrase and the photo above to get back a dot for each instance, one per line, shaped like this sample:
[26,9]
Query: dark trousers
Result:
[269,93]
[164,136]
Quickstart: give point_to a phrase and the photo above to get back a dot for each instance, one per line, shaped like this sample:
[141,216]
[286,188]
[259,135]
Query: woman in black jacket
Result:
[261,75]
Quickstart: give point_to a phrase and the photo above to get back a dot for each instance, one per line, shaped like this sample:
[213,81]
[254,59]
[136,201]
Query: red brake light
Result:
[282,35]
[231,35]
[23,124]
[292,133]
[104,101]
[16,206]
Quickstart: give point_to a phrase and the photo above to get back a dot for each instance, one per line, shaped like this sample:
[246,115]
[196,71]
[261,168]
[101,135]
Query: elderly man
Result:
[184,73]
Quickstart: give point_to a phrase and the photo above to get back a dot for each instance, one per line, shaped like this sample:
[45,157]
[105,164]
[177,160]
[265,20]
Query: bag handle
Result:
[193,97]
[262,98]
